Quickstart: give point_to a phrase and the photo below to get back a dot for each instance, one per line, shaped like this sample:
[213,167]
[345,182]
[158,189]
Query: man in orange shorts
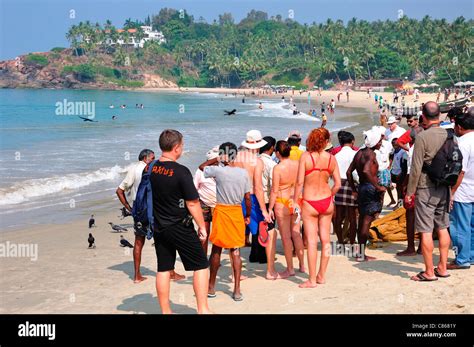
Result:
[228,221]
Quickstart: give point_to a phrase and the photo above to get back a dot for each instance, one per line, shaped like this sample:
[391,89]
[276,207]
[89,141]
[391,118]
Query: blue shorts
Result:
[256,215]
[384,178]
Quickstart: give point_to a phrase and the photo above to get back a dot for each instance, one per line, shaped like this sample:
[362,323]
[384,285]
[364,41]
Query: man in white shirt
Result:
[344,200]
[394,131]
[383,159]
[462,196]
[127,192]
[206,188]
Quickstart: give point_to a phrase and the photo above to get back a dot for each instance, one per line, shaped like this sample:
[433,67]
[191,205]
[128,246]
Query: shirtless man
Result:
[248,159]
[369,191]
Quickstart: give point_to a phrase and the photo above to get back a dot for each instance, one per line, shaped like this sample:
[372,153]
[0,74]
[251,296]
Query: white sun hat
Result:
[254,140]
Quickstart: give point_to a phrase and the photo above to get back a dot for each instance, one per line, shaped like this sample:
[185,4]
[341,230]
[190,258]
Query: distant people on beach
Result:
[332,106]
[324,120]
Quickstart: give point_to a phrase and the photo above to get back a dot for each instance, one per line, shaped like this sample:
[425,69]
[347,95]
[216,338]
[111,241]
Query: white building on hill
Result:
[148,35]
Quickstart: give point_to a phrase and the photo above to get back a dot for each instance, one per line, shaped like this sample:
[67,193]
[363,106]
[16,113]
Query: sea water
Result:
[54,166]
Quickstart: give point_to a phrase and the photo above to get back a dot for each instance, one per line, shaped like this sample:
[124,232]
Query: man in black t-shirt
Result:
[175,204]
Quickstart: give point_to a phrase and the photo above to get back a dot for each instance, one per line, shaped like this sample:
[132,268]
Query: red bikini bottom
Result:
[320,205]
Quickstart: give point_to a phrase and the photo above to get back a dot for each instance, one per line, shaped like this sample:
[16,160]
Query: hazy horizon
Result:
[32,26]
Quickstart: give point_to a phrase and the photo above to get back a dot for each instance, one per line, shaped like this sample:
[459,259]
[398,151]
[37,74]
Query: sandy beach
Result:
[67,277]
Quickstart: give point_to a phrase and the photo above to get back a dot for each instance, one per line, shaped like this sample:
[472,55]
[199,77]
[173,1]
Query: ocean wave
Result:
[23,191]
[277,110]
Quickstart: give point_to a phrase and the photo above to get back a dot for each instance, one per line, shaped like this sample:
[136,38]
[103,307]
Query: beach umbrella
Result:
[434,85]
[459,84]
[414,85]
[469,83]
[424,85]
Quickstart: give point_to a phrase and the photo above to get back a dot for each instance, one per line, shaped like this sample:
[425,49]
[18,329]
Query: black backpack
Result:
[446,165]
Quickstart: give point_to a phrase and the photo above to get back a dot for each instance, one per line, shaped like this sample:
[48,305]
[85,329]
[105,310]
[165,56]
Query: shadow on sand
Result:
[127,268]
[147,303]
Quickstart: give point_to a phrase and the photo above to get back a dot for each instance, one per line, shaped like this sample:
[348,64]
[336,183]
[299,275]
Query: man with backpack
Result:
[433,154]
[175,205]
[127,193]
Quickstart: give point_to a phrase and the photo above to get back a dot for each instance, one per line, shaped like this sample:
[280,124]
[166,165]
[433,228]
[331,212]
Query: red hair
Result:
[317,140]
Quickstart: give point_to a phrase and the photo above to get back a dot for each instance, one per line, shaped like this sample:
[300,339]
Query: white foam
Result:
[278,110]
[24,191]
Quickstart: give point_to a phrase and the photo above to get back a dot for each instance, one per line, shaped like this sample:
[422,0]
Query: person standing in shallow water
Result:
[315,168]
[369,192]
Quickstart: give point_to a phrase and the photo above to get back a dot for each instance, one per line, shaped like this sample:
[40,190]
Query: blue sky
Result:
[38,25]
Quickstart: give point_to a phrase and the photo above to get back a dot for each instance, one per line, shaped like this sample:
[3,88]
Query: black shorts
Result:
[398,179]
[369,200]
[185,241]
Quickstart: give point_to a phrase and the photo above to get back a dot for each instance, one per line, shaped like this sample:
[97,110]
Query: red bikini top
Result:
[307,172]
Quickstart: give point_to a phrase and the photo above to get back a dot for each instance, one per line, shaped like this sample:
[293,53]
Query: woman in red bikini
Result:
[315,168]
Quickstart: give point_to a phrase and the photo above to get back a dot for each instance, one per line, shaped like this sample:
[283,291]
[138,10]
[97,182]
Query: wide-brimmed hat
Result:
[254,140]
[263,236]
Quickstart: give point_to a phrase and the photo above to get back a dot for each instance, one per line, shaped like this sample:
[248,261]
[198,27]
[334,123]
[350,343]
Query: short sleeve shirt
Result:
[172,185]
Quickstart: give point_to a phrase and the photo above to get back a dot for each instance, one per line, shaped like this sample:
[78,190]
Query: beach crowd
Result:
[242,195]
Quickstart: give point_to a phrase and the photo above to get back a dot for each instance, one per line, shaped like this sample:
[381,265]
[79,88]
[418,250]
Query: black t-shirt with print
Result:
[172,185]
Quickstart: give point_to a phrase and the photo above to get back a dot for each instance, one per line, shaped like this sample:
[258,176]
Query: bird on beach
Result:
[117,228]
[92,222]
[91,241]
[124,242]
[230,113]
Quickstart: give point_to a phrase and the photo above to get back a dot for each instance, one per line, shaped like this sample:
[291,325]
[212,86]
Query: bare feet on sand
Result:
[365,258]
[308,284]
[271,276]
[285,274]
[242,278]
[320,279]
[176,276]
[139,279]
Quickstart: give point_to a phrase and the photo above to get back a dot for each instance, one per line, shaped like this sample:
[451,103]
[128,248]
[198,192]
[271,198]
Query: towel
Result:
[371,138]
